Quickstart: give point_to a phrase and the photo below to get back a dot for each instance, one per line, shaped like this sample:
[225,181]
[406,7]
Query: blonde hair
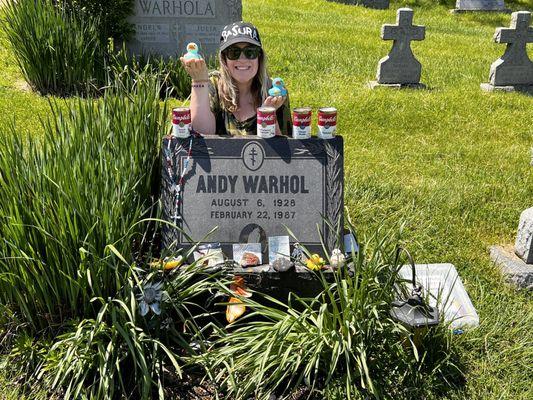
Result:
[228,92]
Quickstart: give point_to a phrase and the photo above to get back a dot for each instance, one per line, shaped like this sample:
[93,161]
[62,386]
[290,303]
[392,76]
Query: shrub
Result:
[112,15]
[59,52]
[63,199]
[342,340]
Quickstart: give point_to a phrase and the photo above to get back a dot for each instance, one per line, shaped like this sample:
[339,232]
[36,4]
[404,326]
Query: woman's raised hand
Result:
[274,101]
[197,69]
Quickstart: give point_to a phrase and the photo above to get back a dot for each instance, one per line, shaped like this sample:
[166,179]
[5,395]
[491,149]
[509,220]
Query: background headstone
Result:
[400,68]
[517,264]
[480,5]
[513,70]
[524,237]
[164,27]
[377,4]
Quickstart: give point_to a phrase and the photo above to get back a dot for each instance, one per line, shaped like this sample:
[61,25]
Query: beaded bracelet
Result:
[198,85]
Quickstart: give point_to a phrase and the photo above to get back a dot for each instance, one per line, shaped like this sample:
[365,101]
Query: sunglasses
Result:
[250,52]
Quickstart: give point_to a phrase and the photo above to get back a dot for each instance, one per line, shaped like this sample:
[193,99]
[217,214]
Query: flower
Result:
[315,262]
[239,287]
[149,298]
[235,309]
[172,262]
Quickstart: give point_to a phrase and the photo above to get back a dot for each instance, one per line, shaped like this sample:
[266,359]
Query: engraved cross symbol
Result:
[253,153]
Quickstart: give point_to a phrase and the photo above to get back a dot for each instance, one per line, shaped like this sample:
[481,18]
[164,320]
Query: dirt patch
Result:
[22,85]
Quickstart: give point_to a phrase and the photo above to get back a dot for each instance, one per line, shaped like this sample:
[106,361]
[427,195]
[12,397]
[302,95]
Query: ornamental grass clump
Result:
[342,339]
[64,197]
[59,52]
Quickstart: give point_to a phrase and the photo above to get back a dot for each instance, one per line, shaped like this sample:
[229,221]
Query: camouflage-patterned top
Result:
[227,124]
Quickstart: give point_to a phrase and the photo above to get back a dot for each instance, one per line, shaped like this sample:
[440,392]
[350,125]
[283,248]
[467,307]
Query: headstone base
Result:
[459,11]
[513,267]
[298,280]
[487,87]
[376,84]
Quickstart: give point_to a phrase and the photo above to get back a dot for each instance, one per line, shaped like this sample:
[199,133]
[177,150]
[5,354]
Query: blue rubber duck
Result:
[278,88]
[192,52]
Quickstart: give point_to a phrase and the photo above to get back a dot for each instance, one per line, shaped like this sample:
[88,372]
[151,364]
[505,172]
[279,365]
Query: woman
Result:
[225,102]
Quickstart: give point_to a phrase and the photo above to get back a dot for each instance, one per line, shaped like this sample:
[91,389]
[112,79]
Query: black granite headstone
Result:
[252,188]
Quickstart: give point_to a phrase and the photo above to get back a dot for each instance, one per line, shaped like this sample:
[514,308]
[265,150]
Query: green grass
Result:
[452,161]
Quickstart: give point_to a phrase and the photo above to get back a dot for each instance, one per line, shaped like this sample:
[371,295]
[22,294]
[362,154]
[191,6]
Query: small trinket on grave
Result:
[315,262]
[170,263]
[249,260]
[337,259]
[298,254]
[210,254]
[181,122]
[266,122]
[282,264]
[278,88]
[238,286]
[235,309]
[301,123]
[192,52]
[327,122]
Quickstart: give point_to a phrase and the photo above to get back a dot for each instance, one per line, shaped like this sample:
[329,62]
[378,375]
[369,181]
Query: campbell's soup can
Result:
[327,122]
[181,122]
[301,123]
[266,122]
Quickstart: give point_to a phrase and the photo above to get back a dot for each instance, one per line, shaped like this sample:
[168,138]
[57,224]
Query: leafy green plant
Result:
[63,199]
[343,337]
[112,15]
[58,52]
[121,352]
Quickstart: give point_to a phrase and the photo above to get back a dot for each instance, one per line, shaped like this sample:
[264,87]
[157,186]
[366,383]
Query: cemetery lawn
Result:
[451,163]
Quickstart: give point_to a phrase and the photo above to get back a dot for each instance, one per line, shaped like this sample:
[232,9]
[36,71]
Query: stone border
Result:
[513,268]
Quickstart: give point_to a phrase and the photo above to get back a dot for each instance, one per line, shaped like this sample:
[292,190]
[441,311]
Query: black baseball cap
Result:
[239,32]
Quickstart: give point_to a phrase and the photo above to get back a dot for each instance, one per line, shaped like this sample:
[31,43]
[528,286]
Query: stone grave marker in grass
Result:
[253,189]
[517,264]
[400,68]
[513,71]
[165,27]
[462,6]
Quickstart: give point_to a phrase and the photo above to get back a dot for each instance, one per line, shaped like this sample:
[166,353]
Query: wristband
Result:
[200,80]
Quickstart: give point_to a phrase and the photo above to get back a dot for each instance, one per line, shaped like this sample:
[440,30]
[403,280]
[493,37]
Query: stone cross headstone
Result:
[513,70]
[164,27]
[400,68]
[252,189]
[462,6]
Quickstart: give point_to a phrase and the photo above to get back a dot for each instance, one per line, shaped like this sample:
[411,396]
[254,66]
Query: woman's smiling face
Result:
[242,70]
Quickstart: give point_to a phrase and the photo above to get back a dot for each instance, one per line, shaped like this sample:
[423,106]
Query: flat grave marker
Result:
[462,6]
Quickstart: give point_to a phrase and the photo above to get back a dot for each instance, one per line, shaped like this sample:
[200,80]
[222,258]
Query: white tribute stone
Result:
[164,27]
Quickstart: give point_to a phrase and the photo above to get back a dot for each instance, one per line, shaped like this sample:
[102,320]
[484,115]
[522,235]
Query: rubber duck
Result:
[192,52]
[278,88]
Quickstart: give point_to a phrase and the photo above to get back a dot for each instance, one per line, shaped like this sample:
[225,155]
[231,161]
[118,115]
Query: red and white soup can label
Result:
[181,122]
[327,122]
[266,122]
[301,123]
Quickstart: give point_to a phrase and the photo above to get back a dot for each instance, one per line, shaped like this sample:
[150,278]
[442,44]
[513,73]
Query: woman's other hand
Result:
[197,69]
[274,101]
